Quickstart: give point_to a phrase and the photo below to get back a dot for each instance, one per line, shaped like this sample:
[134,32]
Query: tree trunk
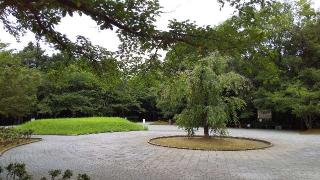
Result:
[308,122]
[206,131]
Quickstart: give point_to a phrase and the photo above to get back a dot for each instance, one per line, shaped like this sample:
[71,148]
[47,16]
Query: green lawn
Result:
[77,126]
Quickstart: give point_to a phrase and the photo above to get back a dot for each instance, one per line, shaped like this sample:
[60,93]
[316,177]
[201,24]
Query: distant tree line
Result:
[274,45]
[34,85]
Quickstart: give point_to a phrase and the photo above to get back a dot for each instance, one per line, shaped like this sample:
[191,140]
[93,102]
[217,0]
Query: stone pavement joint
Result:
[127,155]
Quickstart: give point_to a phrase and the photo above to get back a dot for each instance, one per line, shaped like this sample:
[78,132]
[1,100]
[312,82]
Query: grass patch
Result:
[210,144]
[160,122]
[6,147]
[78,126]
[311,132]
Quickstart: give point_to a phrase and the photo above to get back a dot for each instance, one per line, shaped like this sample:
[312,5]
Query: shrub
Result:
[11,135]
[17,171]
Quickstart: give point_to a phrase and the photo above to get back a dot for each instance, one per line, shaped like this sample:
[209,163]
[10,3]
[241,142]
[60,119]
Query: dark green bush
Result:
[11,135]
[17,171]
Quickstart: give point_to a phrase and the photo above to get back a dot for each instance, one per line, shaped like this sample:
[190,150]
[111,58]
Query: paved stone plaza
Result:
[128,156]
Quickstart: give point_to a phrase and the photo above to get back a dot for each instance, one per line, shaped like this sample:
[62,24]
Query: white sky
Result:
[204,12]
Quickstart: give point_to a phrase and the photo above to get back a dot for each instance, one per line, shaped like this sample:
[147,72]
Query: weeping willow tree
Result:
[212,94]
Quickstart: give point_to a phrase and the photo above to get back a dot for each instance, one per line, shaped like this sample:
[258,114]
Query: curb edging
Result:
[269,144]
[33,140]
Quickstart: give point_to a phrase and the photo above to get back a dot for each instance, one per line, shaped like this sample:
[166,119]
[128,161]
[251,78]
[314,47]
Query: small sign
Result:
[264,114]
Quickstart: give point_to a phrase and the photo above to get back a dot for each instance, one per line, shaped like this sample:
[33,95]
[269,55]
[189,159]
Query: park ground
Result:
[127,155]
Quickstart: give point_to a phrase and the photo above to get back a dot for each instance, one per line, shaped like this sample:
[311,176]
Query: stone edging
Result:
[246,149]
[33,140]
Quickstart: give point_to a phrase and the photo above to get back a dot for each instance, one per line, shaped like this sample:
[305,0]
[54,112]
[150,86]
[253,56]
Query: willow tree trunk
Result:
[206,131]
[206,124]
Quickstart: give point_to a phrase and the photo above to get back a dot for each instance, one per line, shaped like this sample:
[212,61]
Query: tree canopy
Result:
[274,45]
[133,21]
[18,86]
[211,94]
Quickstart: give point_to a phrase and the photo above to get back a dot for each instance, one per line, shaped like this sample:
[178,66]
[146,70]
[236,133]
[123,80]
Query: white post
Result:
[144,121]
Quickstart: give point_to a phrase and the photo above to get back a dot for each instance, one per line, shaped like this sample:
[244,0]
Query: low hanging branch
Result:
[133,20]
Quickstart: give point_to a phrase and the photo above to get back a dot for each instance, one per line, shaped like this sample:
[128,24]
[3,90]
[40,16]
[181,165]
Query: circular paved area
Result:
[129,156]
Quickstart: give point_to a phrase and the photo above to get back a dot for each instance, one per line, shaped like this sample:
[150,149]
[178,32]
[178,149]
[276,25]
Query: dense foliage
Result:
[276,46]
[212,96]
[18,86]
[34,85]
[273,44]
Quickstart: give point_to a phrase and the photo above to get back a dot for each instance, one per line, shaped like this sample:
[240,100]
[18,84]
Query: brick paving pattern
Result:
[127,155]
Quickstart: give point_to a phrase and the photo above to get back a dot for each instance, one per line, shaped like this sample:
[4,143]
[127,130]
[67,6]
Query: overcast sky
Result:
[204,12]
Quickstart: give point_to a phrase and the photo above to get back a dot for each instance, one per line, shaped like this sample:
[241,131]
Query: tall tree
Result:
[18,86]
[34,57]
